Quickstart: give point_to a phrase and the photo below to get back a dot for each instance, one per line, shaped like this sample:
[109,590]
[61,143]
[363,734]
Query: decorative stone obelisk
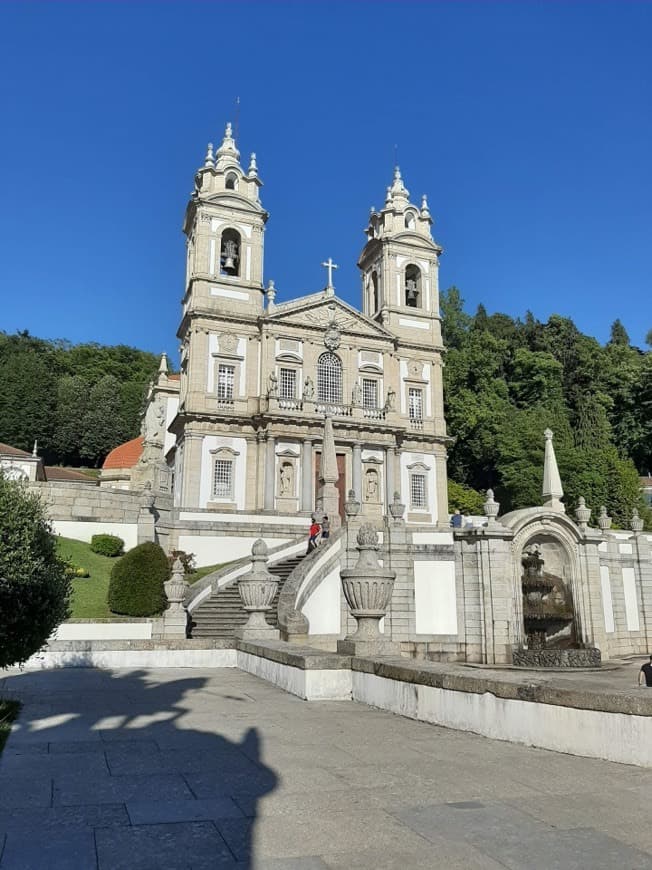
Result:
[328,496]
[552,490]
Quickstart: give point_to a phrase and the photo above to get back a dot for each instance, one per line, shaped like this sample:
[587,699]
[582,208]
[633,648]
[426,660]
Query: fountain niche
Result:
[549,619]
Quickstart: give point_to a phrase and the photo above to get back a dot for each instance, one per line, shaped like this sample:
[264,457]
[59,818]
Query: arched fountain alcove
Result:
[555,538]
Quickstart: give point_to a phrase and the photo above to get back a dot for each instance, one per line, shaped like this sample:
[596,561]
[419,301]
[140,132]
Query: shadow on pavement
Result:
[120,770]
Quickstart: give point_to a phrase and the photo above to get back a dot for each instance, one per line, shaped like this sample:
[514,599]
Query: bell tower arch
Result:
[400,267]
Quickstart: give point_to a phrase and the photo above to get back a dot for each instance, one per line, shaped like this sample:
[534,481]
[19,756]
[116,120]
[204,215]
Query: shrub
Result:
[187,560]
[136,585]
[107,545]
[73,570]
[34,586]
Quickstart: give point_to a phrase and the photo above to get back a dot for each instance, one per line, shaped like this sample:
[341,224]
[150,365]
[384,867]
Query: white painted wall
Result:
[323,607]
[607,602]
[82,531]
[435,598]
[218,549]
[631,600]
[619,737]
[103,631]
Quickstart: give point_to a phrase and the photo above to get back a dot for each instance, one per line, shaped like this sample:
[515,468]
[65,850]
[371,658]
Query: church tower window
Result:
[225,383]
[231,182]
[413,286]
[410,220]
[223,478]
[329,378]
[369,393]
[376,295]
[230,253]
[288,384]
[415,404]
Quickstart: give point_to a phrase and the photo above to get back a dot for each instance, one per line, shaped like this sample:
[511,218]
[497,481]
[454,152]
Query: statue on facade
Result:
[357,393]
[287,479]
[390,402]
[308,389]
[272,389]
[372,485]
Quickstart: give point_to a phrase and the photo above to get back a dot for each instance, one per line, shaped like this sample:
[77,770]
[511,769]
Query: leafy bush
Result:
[76,571]
[187,560]
[136,586]
[464,498]
[107,545]
[34,586]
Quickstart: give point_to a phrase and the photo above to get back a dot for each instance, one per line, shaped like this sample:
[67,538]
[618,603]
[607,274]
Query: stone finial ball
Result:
[367,536]
[259,548]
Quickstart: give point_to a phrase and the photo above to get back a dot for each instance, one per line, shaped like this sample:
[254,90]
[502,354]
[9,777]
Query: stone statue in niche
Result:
[390,402]
[272,389]
[308,389]
[286,482]
[371,485]
[357,393]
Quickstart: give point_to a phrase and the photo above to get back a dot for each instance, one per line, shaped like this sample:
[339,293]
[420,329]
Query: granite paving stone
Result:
[198,768]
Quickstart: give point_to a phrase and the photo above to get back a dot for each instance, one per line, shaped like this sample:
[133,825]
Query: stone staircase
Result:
[223,613]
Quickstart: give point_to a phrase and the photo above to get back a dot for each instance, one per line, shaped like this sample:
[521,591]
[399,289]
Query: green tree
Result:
[618,334]
[464,498]
[104,426]
[34,587]
[71,409]
[455,322]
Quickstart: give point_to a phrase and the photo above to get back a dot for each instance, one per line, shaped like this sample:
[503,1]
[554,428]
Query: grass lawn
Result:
[202,572]
[8,712]
[89,593]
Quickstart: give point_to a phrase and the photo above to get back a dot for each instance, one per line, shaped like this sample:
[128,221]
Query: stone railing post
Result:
[175,619]
[368,591]
[257,591]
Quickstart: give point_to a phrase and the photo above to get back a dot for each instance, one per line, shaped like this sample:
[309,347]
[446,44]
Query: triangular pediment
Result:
[321,312]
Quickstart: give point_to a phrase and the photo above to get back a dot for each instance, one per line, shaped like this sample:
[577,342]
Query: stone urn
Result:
[396,508]
[351,505]
[582,514]
[604,520]
[174,619]
[491,508]
[637,522]
[257,591]
[368,591]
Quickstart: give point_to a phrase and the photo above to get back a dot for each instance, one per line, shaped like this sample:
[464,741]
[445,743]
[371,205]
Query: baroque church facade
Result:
[241,430]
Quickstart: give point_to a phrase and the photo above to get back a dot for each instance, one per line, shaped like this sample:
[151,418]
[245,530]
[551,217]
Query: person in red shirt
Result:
[315,529]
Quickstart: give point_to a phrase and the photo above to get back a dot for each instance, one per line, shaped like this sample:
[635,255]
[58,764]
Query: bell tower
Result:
[400,268]
[224,226]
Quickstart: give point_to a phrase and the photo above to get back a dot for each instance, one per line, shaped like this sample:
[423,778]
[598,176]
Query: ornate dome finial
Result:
[209,161]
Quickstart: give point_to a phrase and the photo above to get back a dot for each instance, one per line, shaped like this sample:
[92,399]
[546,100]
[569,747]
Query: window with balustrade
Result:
[288,384]
[225,382]
[369,393]
[329,378]
[223,478]
[415,404]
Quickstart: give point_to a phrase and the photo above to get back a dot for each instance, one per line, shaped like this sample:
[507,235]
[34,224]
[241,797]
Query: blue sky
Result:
[528,125]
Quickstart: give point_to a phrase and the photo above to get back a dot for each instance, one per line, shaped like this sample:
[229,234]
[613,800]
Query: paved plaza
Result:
[217,769]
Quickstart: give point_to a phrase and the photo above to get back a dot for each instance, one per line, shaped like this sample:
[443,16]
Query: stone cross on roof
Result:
[330,265]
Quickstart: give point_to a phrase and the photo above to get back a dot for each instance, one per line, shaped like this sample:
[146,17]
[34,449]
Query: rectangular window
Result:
[223,478]
[418,495]
[225,382]
[288,385]
[369,393]
[415,403]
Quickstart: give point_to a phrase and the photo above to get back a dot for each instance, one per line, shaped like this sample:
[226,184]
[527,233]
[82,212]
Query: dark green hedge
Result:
[136,586]
[107,545]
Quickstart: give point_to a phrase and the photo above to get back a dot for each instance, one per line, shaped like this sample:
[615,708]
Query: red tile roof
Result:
[125,455]
[13,451]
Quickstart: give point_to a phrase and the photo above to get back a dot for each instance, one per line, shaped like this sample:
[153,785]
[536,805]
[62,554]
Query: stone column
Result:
[270,472]
[146,530]
[192,469]
[356,471]
[389,477]
[306,476]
